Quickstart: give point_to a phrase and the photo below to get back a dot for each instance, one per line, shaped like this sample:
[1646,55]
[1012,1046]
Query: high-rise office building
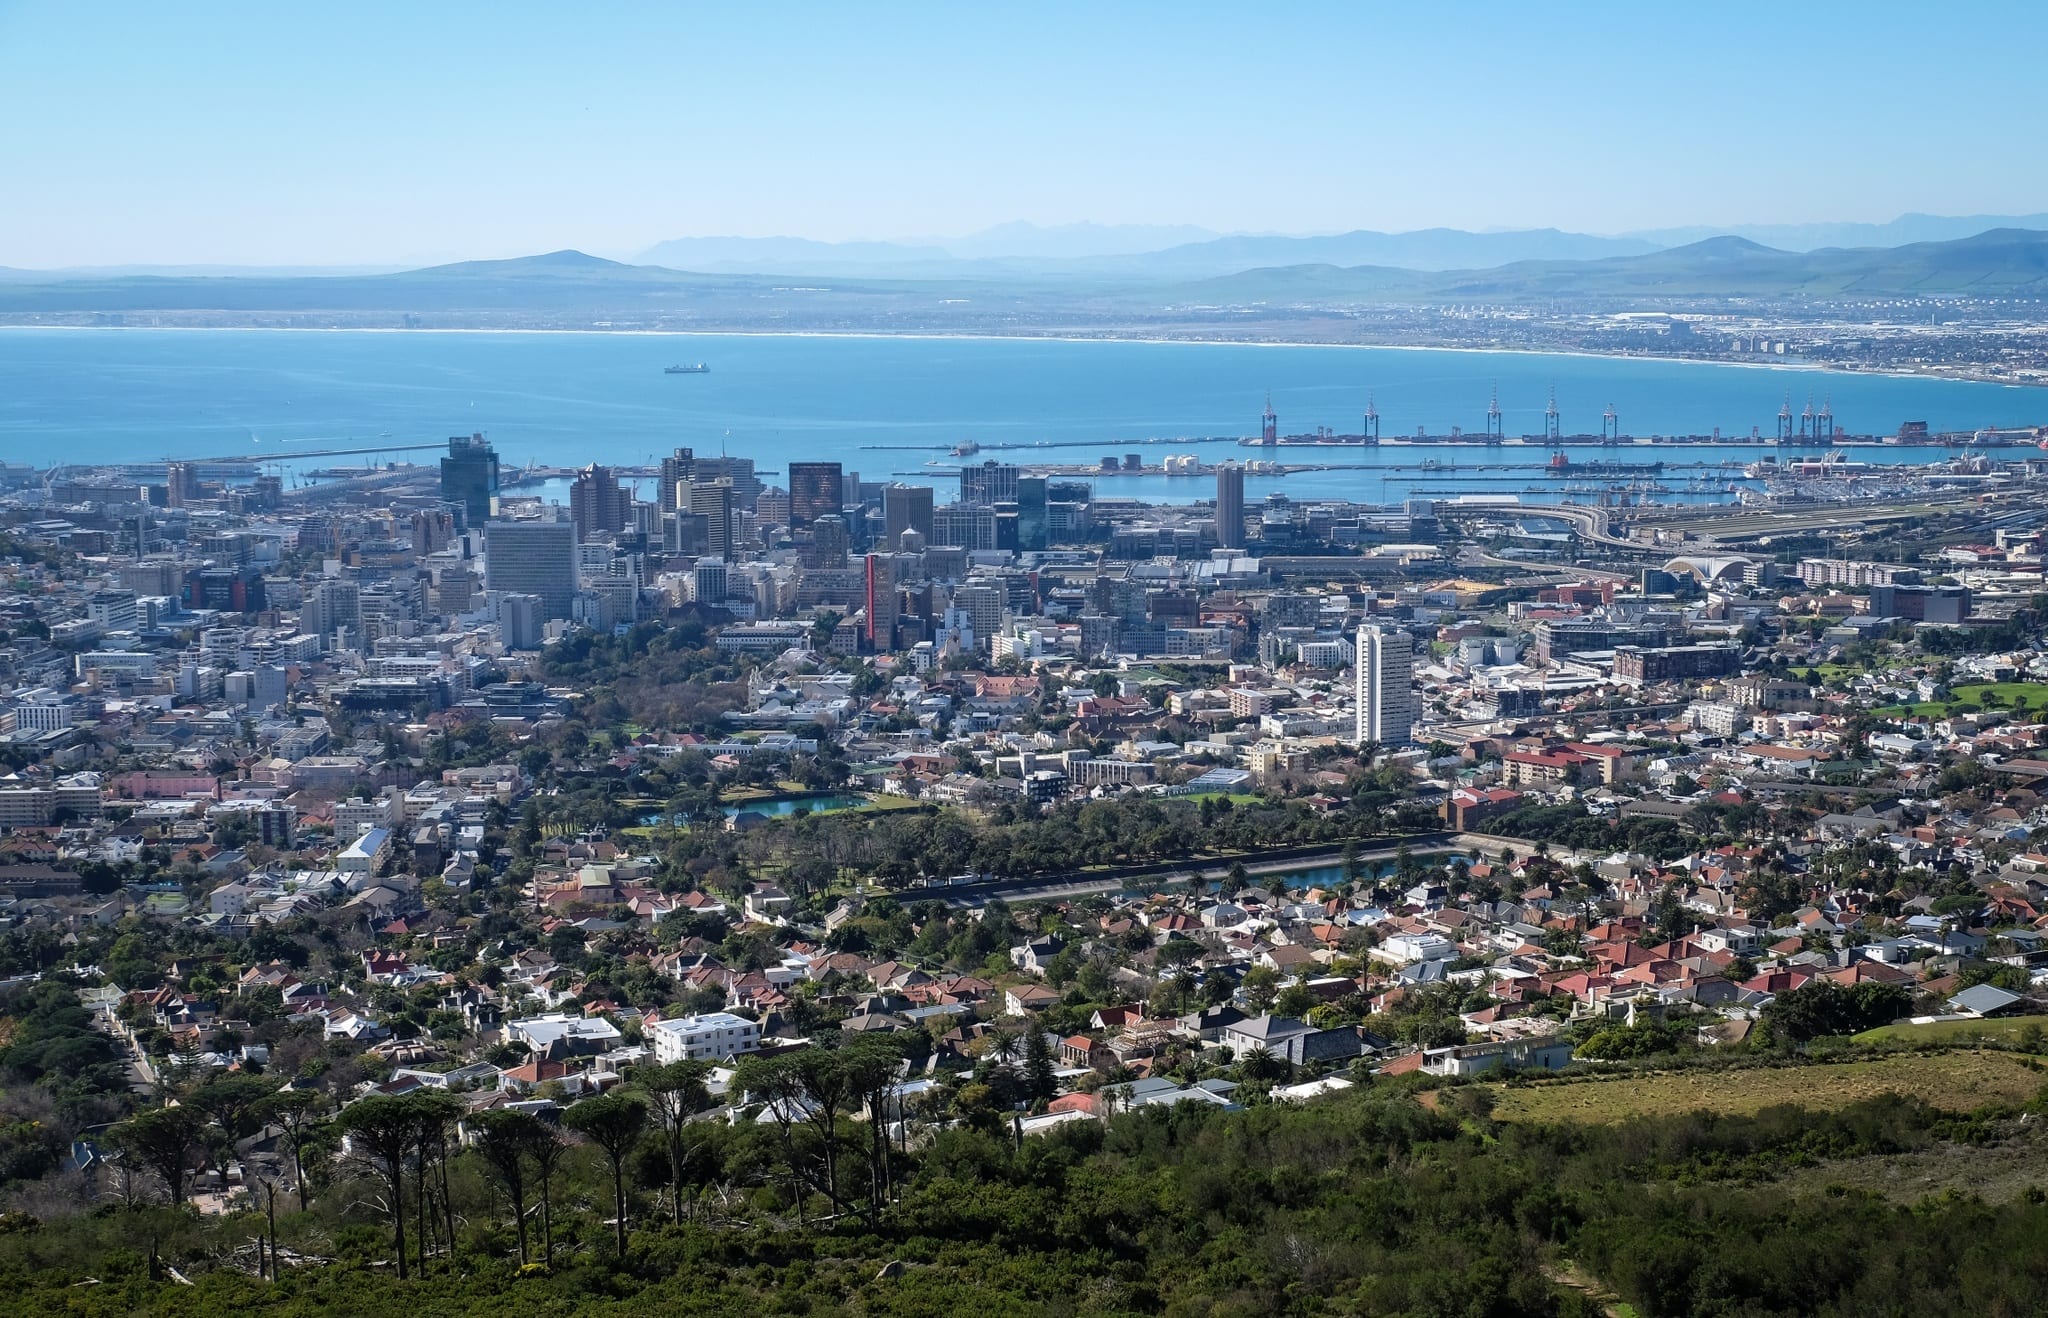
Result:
[1230,506]
[964,525]
[433,530]
[746,487]
[829,542]
[714,502]
[598,503]
[330,604]
[905,508]
[519,621]
[1387,702]
[816,489]
[991,482]
[469,478]
[881,600]
[181,484]
[228,589]
[676,470]
[710,583]
[533,558]
[1032,528]
[983,605]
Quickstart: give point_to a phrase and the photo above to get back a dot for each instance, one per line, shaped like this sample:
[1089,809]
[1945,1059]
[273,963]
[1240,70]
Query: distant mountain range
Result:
[1007,248]
[1997,263]
[1019,250]
[1098,253]
[1812,237]
[572,288]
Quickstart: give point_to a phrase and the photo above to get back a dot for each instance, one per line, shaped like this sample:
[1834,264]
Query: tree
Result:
[296,1111]
[433,1114]
[230,1101]
[1822,1007]
[384,1132]
[505,1139]
[871,1066]
[775,1083]
[613,1122]
[1261,985]
[547,1149]
[167,1140]
[1040,1083]
[675,1093]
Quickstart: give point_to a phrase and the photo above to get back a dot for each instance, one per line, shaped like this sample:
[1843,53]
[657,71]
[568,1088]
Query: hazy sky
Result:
[366,132]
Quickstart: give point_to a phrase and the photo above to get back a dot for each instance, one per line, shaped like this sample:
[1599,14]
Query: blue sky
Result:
[367,132]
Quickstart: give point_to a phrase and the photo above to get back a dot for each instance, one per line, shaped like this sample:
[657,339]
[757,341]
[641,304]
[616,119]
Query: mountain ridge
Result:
[578,286]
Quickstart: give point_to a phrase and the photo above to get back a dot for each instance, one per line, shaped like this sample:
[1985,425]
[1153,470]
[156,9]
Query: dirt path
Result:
[1570,1275]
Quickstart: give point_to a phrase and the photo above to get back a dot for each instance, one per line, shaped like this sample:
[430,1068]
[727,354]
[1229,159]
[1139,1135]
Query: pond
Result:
[776,808]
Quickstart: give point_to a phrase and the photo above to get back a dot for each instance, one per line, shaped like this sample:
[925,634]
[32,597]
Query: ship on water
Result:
[692,368]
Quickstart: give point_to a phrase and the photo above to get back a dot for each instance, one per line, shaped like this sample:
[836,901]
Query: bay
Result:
[134,395]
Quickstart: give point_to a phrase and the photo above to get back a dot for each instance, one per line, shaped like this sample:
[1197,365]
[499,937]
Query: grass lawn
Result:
[1959,1081]
[1986,695]
[1995,1032]
[2005,695]
[882,801]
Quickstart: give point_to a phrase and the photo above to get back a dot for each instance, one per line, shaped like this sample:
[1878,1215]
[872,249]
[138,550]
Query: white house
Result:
[576,1034]
[1405,949]
[1531,1053]
[363,855]
[713,1037]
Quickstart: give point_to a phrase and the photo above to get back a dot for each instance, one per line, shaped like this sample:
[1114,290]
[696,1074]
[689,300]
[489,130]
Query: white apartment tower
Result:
[1387,704]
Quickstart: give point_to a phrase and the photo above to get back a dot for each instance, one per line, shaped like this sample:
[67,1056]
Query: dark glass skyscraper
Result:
[469,477]
[1230,506]
[816,489]
[1031,524]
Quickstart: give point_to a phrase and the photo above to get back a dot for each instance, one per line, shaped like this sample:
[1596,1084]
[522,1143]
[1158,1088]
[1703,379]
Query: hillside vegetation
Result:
[1369,1203]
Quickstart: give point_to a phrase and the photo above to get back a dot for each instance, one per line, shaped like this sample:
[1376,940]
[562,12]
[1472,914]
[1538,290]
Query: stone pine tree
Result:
[613,1122]
[505,1140]
[675,1093]
[547,1149]
[386,1134]
[166,1140]
[230,1102]
[381,1131]
[296,1112]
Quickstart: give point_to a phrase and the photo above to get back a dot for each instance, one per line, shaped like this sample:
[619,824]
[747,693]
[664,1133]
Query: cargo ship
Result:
[694,368]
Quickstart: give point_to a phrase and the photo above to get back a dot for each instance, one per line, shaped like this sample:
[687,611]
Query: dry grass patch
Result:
[1957,1081]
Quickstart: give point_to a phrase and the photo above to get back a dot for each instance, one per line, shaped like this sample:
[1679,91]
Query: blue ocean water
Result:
[567,399]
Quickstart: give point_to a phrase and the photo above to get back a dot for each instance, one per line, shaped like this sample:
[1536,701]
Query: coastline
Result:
[1814,368]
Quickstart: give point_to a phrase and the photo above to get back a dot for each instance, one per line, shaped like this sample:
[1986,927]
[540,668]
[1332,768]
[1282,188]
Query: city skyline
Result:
[464,133]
